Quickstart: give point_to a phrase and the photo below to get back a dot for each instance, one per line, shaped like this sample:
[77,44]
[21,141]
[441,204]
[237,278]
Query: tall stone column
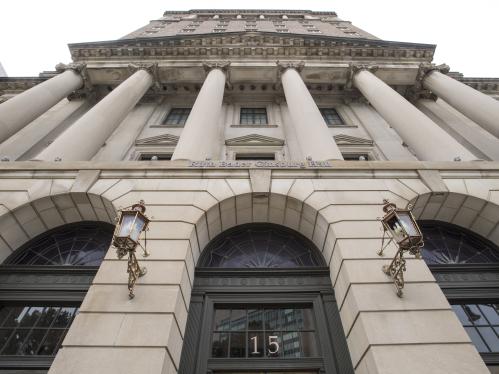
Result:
[425,137]
[98,123]
[200,137]
[19,111]
[314,137]
[475,105]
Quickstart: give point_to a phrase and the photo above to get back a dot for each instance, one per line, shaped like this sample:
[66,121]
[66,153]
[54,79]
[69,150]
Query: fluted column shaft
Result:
[475,105]
[312,132]
[200,137]
[86,136]
[425,137]
[19,111]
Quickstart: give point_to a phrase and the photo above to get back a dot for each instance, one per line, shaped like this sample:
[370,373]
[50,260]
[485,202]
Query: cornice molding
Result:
[254,45]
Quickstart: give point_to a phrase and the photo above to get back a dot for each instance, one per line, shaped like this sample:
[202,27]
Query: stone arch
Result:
[283,210]
[28,220]
[471,212]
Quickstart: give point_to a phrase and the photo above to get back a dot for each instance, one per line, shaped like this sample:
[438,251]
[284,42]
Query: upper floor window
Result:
[253,116]
[177,116]
[332,117]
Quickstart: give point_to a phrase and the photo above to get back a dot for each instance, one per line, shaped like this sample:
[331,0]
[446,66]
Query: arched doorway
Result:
[466,266]
[262,302]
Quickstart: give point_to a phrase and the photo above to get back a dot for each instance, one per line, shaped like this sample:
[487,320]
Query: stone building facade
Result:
[291,122]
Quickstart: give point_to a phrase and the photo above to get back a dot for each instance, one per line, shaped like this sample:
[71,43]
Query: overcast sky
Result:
[34,34]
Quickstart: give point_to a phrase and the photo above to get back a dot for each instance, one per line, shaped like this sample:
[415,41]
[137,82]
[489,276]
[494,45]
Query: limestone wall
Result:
[337,208]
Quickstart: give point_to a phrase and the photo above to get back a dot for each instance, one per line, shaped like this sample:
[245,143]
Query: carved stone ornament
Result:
[355,68]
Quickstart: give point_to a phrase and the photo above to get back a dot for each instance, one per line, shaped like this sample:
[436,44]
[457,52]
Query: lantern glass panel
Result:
[137,228]
[408,224]
[396,228]
[127,222]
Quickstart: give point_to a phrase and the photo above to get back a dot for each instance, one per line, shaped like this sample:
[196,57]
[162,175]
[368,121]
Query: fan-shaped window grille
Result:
[450,244]
[261,246]
[79,244]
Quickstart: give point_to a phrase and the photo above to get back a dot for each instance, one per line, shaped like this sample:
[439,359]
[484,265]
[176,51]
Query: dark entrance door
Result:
[249,319]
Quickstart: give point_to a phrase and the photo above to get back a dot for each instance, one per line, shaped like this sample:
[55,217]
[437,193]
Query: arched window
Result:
[263,299]
[466,267]
[42,285]
[261,246]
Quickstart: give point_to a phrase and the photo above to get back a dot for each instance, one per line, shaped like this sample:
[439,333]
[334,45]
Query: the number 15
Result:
[272,343]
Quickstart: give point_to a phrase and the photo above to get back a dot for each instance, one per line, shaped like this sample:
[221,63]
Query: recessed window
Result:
[155,156]
[355,156]
[219,30]
[253,116]
[177,116]
[255,156]
[282,30]
[332,117]
[187,30]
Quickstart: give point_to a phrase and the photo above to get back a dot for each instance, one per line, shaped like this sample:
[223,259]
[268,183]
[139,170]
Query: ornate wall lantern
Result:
[401,227]
[132,221]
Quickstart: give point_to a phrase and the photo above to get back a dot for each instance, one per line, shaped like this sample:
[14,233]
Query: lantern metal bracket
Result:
[128,248]
[397,266]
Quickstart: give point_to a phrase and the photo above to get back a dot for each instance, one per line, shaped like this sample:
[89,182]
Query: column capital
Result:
[151,68]
[425,68]
[355,68]
[418,91]
[81,69]
[282,66]
[222,65]
[77,67]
